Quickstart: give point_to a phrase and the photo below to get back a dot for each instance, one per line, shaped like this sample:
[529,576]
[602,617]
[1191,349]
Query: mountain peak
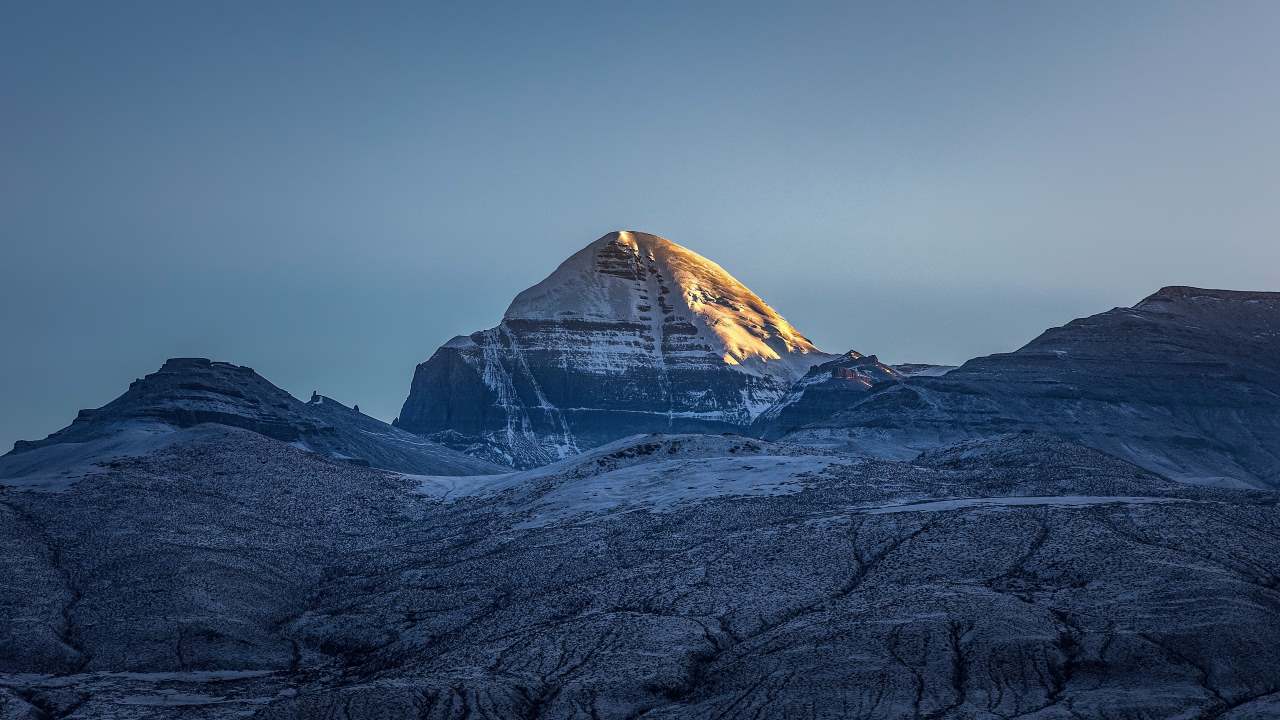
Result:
[637,241]
[631,334]
[645,279]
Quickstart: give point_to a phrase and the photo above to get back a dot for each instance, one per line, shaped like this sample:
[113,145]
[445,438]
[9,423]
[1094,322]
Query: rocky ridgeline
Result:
[823,391]
[189,392]
[1186,383]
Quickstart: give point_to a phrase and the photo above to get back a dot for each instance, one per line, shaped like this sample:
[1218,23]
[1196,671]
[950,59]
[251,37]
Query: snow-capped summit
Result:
[633,333]
[635,277]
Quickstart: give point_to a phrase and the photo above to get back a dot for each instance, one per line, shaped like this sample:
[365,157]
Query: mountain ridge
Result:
[189,392]
[1185,383]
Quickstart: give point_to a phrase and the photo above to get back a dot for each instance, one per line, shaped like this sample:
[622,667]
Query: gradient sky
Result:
[328,192]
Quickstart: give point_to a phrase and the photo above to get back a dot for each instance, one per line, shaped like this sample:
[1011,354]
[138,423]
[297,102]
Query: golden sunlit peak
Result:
[636,240]
[599,283]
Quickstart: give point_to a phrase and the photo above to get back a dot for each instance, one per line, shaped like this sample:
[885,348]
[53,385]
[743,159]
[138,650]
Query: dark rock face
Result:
[823,391]
[187,392]
[540,408]
[632,334]
[1186,383]
[1016,576]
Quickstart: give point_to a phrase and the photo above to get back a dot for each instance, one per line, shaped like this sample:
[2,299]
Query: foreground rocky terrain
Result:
[234,575]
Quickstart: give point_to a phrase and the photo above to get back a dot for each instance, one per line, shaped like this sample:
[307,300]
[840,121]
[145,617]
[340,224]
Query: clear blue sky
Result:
[328,192]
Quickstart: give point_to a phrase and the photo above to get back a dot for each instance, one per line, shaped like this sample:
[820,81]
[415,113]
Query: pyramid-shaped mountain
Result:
[631,334]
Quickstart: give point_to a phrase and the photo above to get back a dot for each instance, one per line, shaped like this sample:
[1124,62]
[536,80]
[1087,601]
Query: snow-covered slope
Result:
[631,334]
[654,473]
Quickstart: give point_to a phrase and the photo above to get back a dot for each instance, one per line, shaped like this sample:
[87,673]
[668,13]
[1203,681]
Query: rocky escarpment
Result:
[1186,383]
[631,334]
[187,392]
[823,391]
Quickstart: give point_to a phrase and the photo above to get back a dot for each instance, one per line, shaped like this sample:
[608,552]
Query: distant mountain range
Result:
[645,494]
[636,334]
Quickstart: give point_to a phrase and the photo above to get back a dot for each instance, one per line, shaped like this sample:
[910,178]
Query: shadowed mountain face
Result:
[823,391]
[188,392]
[233,575]
[1186,383]
[631,334]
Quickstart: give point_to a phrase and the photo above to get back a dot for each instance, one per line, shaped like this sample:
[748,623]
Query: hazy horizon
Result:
[328,194]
